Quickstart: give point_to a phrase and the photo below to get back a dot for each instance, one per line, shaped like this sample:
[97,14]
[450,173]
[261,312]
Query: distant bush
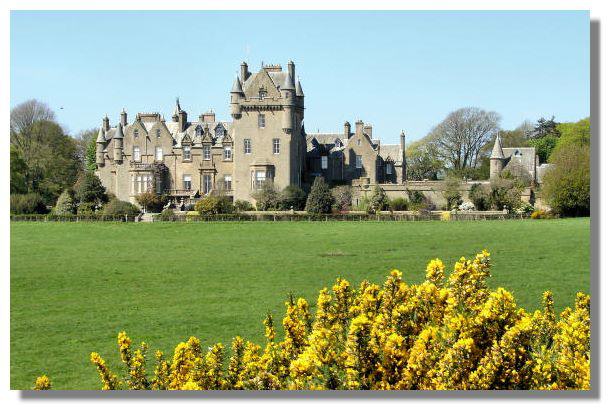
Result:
[452,193]
[342,196]
[167,215]
[86,208]
[525,208]
[66,203]
[378,200]
[25,204]
[505,192]
[320,200]
[541,214]
[243,206]
[213,204]
[118,207]
[479,195]
[416,200]
[89,189]
[292,197]
[267,197]
[467,206]
[399,203]
[151,201]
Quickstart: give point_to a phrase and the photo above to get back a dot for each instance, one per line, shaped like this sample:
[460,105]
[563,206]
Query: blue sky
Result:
[396,70]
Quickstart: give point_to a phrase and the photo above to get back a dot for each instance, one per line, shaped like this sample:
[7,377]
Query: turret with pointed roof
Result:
[100,147]
[497,152]
[497,158]
[118,143]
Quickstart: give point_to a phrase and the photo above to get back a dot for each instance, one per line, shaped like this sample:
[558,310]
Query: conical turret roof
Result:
[299,90]
[497,152]
[119,131]
[236,89]
[288,83]
[101,136]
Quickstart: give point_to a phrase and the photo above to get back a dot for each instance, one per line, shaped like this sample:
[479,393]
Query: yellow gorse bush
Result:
[442,334]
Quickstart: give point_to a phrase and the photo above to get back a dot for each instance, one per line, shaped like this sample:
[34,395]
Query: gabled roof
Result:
[392,152]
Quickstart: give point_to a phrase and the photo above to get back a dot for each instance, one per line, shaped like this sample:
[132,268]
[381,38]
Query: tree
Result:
[544,146]
[86,148]
[479,195]
[423,161]
[89,189]
[452,193]
[462,136]
[292,197]
[18,172]
[214,204]
[566,186]
[574,133]
[320,200]
[267,197]
[505,193]
[66,203]
[342,196]
[117,207]
[24,116]
[151,201]
[545,127]
[378,200]
[23,204]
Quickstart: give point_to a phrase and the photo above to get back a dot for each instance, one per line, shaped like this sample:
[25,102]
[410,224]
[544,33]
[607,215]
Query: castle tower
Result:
[347,130]
[236,95]
[300,98]
[118,144]
[123,118]
[496,159]
[100,147]
[180,116]
[105,123]
[402,148]
[288,96]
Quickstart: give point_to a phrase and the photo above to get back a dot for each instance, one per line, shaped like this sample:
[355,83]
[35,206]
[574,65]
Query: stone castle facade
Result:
[264,140]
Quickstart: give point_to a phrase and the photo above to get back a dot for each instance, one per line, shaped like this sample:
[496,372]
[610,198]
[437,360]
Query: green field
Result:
[75,285]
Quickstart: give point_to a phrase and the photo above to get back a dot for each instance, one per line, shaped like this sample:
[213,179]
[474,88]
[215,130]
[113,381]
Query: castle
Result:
[264,140]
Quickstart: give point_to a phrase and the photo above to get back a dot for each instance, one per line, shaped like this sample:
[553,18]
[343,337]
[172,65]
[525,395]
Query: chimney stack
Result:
[368,130]
[358,127]
[291,71]
[243,72]
[347,130]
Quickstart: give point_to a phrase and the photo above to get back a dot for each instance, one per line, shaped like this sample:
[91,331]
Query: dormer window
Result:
[262,93]
[158,133]
[136,133]
[199,131]
[219,131]
[338,144]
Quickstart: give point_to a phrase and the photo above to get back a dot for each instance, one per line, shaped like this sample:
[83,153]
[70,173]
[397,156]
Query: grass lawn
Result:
[75,285]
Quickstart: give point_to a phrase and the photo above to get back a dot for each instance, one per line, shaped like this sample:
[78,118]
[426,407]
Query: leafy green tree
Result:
[320,200]
[452,192]
[89,189]
[574,133]
[544,146]
[86,147]
[151,201]
[18,172]
[66,203]
[25,204]
[479,195]
[422,161]
[545,127]
[505,193]
[566,186]
[378,200]
[267,197]
[292,197]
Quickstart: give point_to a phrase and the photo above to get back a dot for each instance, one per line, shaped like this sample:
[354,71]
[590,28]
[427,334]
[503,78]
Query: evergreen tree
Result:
[320,200]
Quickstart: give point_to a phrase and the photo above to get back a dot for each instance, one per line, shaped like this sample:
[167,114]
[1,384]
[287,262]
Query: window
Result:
[228,182]
[136,133]
[186,151]
[262,93]
[142,183]
[338,144]
[219,131]
[261,176]
[228,154]
[187,182]
[207,152]
[158,133]
[359,162]
[324,160]
[261,120]
[158,186]
[136,153]
[158,153]
[207,184]
[276,146]
[389,168]
[247,146]
[358,141]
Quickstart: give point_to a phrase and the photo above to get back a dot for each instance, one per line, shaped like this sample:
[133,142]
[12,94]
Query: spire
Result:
[403,134]
[178,108]
[119,131]
[236,89]
[101,136]
[288,83]
[298,88]
[497,152]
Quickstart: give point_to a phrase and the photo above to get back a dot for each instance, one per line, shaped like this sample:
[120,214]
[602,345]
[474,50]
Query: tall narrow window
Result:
[207,152]
[260,179]
[187,182]
[247,146]
[139,188]
[261,120]
[276,146]
[136,153]
[157,132]
[207,184]
[228,154]
[186,151]
[324,162]
[359,162]
[136,133]
[228,182]
[389,168]
[158,153]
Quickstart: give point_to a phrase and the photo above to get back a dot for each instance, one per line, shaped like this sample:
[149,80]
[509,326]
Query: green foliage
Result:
[578,133]
[452,193]
[545,127]
[167,215]
[86,208]
[320,200]
[151,201]
[378,200]
[544,146]
[29,203]
[213,204]
[342,196]
[566,186]
[505,193]
[399,203]
[416,200]
[479,195]
[89,189]
[422,161]
[267,197]
[18,172]
[66,203]
[117,207]
[292,197]
[243,206]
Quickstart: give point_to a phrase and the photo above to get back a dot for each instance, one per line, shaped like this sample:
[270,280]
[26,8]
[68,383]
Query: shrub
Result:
[479,195]
[416,200]
[342,198]
[89,189]
[66,203]
[438,334]
[378,200]
[525,208]
[26,204]
[117,207]
[86,208]
[292,197]
[167,215]
[399,203]
[320,200]
[467,206]
[151,201]
[268,197]
[213,204]
[541,214]
[452,192]
[505,192]
[243,206]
